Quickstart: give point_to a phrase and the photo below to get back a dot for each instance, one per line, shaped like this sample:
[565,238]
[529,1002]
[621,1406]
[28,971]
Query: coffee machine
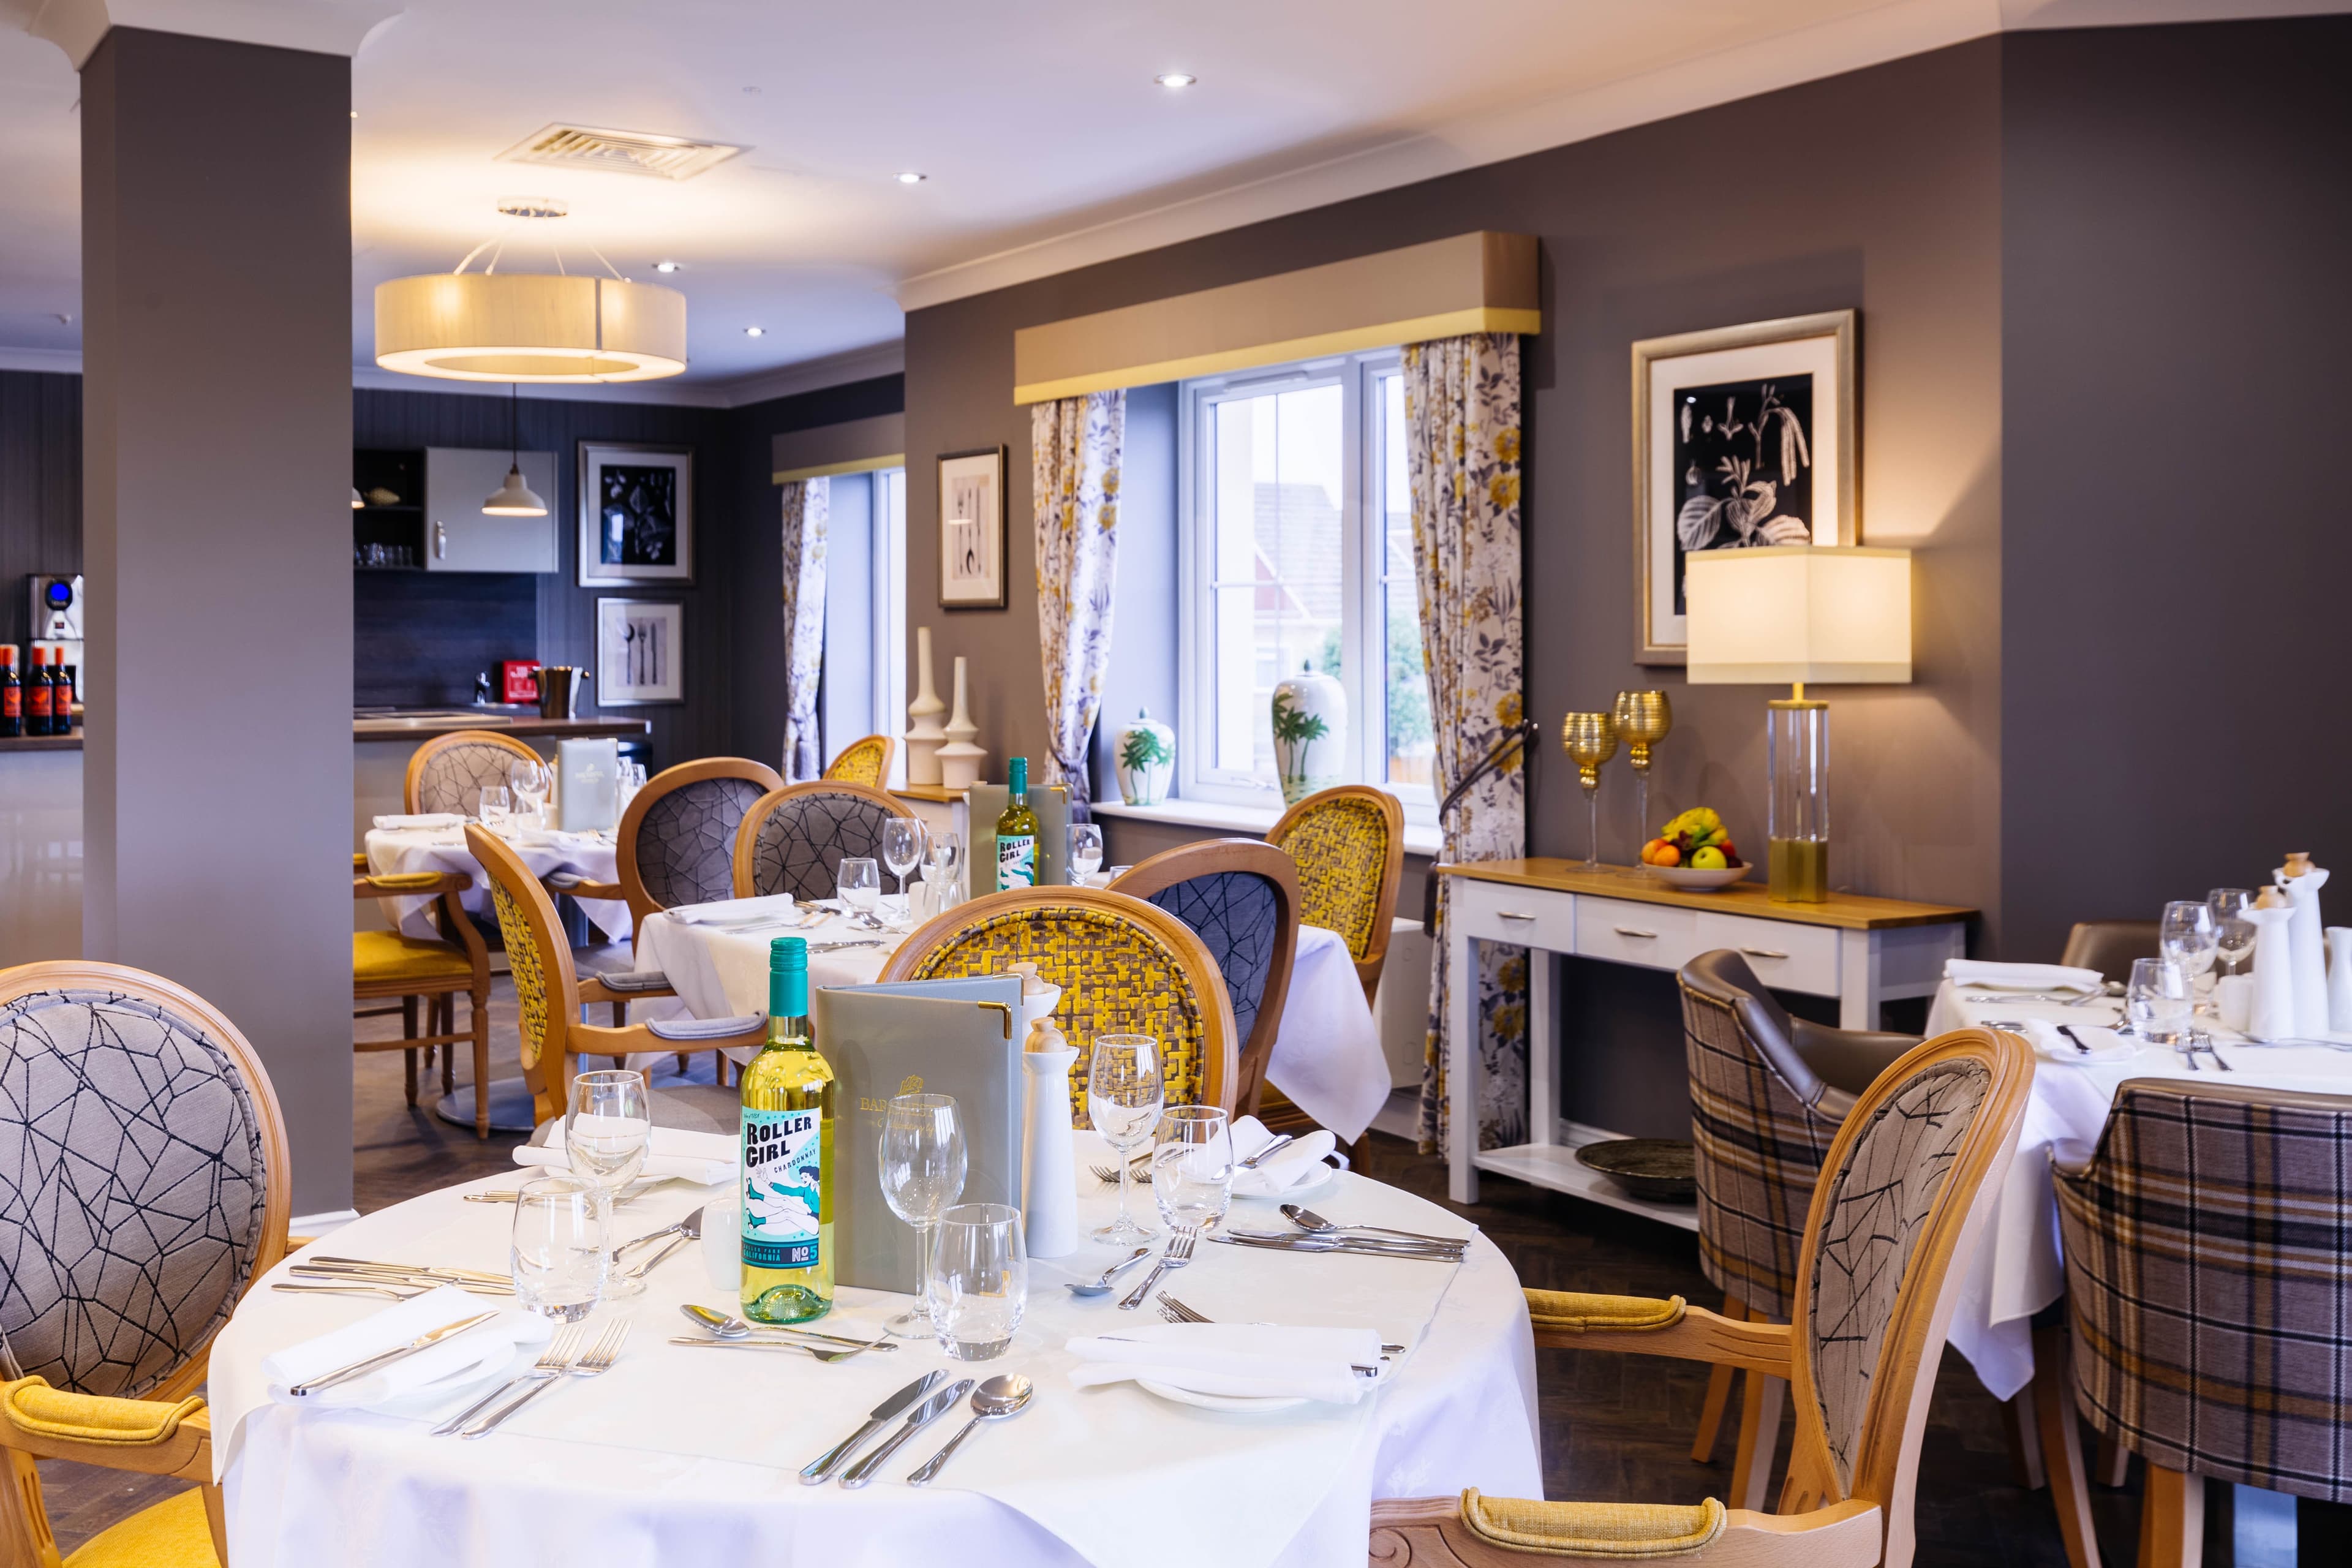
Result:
[55,619]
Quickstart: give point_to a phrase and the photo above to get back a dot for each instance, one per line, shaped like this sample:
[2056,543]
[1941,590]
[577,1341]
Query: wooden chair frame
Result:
[1820,1524]
[889,754]
[439,743]
[1220,1063]
[748,834]
[25,1535]
[1368,968]
[441,1026]
[1252,856]
[631,887]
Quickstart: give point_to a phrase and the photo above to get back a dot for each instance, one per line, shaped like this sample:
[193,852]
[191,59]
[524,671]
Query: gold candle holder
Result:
[1643,718]
[1589,739]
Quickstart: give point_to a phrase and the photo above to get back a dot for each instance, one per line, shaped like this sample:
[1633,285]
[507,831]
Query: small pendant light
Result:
[514,498]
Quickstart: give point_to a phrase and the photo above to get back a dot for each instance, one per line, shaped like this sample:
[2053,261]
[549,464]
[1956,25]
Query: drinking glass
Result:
[1192,1168]
[902,849]
[530,782]
[2233,935]
[923,1165]
[942,864]
[1124,1094]
[2156,1001]
[1085,851]
[495,806]
[2187,936]
[607,1133]
[978,1287]
[627,780]
[559,1257]
[859,883]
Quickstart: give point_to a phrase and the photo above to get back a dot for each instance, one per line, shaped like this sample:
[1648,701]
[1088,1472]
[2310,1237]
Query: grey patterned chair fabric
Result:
[133,1186]
[800,844]
[2208,1281]
[454,776]
[685,842]
[1238,917]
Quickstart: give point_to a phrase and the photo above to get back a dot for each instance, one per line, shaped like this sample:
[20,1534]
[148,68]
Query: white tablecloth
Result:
[444,849]
[2018,1269]
[1327,1056]
[691,1457]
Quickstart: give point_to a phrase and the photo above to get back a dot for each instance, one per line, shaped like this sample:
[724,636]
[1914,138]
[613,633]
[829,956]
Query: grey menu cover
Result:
[586,773]
[1052,804]
[937,1037]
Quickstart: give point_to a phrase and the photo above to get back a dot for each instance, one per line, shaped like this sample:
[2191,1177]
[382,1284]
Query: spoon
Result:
[719,1326]
[1102,1286]
[999,1399]
[1307,1220]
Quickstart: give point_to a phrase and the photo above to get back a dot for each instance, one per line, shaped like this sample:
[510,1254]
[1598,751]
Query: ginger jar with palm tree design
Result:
[1145,753]
[1310,733]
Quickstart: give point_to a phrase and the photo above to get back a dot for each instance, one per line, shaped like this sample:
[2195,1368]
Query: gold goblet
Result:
[1643,719]
[1589,739]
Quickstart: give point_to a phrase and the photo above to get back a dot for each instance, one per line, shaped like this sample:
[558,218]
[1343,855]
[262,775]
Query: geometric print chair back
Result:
[1237,917]
[794,839]
[450,772]
[684,846]
[862,762]
[142,1181]
[2209,1279]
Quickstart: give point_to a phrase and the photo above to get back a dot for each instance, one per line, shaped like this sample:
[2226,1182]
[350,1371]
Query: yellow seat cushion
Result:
[174,1533]
[30,1404]
[1572,1312]
[1592,1529]
[382,956]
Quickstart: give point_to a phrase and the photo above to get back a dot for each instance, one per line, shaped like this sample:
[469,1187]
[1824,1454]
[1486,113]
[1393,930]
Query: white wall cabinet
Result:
[459,538]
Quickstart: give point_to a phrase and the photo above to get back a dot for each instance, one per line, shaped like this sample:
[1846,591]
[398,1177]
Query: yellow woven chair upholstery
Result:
[866,761]
[1341,846]
[524,968]
[1593,1529]
[31,1406]
[174,1533]
[1568,1312]
[386,956]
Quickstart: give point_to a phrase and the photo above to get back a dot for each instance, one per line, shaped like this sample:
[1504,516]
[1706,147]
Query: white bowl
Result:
[1692,880]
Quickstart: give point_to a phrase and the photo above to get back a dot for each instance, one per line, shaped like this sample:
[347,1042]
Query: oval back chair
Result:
[1124,966]
[865,761]
[1349,842]
[793,839]
[2109,946]
[678,838]
[448,773]
[1240,897]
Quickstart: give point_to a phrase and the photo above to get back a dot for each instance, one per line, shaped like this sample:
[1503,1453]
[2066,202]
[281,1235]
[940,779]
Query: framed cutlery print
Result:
[640,652]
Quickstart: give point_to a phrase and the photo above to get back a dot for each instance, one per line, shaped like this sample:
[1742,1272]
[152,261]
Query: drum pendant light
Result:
[514,498]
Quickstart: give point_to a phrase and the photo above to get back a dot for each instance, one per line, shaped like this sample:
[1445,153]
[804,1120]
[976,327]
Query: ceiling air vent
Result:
[620,151]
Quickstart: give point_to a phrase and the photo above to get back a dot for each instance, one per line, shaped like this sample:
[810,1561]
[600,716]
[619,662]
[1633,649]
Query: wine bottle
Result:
[37,696]
[788,1155]
[1016,832]
[12,693]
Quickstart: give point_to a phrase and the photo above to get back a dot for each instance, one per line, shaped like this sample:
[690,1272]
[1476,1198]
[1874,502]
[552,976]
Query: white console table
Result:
[1864,952]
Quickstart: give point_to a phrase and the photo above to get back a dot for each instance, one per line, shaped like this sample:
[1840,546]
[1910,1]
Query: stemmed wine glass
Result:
[1085,851]
[495,807]
[2187,938]
[531,784]
[902,849]
[1124,1094]
[943,862]
[607,1133]
[923,1165]
[2233,935]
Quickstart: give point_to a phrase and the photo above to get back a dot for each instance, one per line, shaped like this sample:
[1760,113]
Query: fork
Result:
[1141,1164]
[558,1355]
[1174,1312]
[1179,1254]
[595,1363]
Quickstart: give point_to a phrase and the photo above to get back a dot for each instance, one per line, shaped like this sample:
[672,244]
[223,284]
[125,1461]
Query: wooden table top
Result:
[1848,912]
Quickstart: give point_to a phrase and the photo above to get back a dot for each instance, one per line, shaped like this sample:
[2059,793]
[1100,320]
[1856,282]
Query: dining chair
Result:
[1909,1183]
[1349,844]
[1769,1093]
[125,1092]
[2206,1296]
[1125,966]
[550,994]
[675,842]
[1240,897]
[448,773]
[865,761]
[793,839]
[387,964]
[2109,946]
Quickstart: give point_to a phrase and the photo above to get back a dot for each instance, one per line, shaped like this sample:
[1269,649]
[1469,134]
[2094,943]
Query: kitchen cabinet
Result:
[459,538]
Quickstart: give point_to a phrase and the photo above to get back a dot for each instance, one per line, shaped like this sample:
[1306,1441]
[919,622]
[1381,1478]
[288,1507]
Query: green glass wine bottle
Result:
[788,1155]
[1016,832]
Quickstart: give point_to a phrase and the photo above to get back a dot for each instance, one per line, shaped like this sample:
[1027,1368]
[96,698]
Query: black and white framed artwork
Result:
[971,530]
[640,652]
[637,513]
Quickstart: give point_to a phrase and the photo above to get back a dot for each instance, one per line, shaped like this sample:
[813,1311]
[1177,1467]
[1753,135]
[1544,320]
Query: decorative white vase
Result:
[1049,1173]
[2300,880]
[1310,733]
[924,736]
[2339,980]
[2271,1015]
[1144,754]
[960,759]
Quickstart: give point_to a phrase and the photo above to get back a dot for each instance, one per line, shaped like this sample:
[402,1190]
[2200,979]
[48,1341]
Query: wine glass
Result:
[942,864]
[859,882]
[1124,1094]
[902,849]
[608,1132]
[923,1164]
[1589,739]
[559,1259]
[2233,935]
[495,807]
[2155,1000]
[627,780]
[2187,936]
[531,784]
[978,1288]
[1085,851]
[1192,1168]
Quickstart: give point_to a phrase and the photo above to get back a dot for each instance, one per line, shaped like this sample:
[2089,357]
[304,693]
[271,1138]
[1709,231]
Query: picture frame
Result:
[636,514]
[971,530]
[1742,435]
[640,652]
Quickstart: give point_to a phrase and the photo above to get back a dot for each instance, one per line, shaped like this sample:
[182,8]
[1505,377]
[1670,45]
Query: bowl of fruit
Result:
[1693,853]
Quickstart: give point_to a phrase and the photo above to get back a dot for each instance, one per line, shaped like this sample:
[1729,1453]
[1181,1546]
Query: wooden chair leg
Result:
[481,1020]
[446,1024]
[25,1537]
[1718,1394]
[410,1057]
[2061,1445]
[1760,1435]
[2111,1467]
[2024,1441]
[408,1030]
[2172,1519]
[681,1064]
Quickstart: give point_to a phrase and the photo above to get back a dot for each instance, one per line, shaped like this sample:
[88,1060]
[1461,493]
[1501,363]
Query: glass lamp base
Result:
[1798,870]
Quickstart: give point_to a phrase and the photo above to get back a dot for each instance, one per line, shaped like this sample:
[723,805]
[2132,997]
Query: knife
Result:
[1361,1249]
[928,1411]
[826,1462]
[411,1268]
[361,1368]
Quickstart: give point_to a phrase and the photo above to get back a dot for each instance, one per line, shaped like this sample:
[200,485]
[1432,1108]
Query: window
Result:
[864,690]
[890,613]
[1299,555]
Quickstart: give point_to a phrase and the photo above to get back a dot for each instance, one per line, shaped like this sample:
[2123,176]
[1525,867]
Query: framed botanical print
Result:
[1742,437]
[971,530]
[640,652]
[636,514]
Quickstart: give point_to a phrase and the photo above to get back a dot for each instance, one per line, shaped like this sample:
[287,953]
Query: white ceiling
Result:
[1048,143]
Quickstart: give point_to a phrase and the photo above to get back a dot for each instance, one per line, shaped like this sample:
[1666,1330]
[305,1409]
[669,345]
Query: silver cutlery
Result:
[560,1352]
[1141,1164]
[361,1368]
[2085,1000]
[2067,999]
[837,946]
[820,1469]
[1276,1147]
[2074,1038]
[397,1292]
[1306,1219]
[1102,1286]
[1001,1398]
[923,1414]
[1178,1254]
[595,1363]
[629,1194]
[421,1278]
[785,1347]
[726,1327]
[1176,1312]
[1359,1248]
[436,1271]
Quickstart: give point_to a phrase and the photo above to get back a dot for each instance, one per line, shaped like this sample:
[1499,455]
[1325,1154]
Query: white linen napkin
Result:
[479,1351]
[705,1159]
[421,819]
[772,904]
[1257,1360]
[1296,1165]
[2021,977]
[2105,1044]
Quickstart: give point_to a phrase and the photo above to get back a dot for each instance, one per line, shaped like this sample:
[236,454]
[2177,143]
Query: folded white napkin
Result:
[773,904]
[421,819]
[480,1349]
[1258,1360]
[705,1159]
[2021,977]
[2105,1044]
[1296,1164]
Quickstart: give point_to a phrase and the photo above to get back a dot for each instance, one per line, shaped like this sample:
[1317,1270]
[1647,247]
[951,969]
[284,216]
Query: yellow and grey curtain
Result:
[1462,417]
[807,502]
[1074,449]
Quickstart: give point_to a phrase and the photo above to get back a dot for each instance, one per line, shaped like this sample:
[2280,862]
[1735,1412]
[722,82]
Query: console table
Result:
[1864,952]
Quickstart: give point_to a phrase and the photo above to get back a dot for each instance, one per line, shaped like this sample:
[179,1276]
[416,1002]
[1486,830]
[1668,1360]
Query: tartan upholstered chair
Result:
[1908,1184]
[448,773]
[120,1091]
[865,761]
[1349,844]
[1768,1095]
[2206,1292]
[793,839]
[1124,967]
[387,966]
[1240,897]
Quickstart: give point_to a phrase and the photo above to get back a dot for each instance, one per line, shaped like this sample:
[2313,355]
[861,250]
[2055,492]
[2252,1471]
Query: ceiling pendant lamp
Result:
[514,498]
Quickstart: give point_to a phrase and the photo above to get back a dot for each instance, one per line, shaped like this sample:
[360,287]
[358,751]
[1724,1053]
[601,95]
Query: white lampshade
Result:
[514,499]
[1835,615]
[513,327]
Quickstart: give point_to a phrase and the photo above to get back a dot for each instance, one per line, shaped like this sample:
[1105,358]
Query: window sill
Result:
[1249,819]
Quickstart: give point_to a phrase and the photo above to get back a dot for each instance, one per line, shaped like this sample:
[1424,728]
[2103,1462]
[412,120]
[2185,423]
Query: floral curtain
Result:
[806,503]
[1461,418]
[1074,449]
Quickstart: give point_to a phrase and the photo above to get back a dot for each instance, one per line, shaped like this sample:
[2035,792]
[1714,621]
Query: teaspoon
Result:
[719,1326]
[1102,1286]
[999,1399]
[1307,1220]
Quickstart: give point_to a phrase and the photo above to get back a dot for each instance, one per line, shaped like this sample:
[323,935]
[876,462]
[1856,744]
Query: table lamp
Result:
[1828,614]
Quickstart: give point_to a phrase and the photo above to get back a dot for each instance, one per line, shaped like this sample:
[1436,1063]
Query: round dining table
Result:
[591,856]
[685,1455]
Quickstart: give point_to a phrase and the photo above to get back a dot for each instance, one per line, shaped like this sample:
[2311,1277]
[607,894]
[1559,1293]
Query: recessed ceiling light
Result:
[355,115]
[755,331]
[669,266]
[911,177]
[1176,78]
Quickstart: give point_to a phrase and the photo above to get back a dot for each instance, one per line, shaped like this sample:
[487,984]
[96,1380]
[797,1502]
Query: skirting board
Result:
[318,1225]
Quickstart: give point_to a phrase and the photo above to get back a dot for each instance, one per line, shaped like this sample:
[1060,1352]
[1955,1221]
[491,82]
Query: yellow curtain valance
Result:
[852,447]
[1481,282]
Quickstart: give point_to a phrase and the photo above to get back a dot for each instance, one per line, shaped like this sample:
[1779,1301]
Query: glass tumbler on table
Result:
[978,1288]
[858,881]
[902,849]
[1192,1168]
[1086,856]
[2233,935]
[531,784]
[607,1133]
[1124,1094]
[2156,1001]
[495,807]
[558,1254]
[923,1162]
[2187,936]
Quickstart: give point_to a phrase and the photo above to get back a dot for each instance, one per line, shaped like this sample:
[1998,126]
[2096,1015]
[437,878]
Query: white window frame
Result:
[886,621]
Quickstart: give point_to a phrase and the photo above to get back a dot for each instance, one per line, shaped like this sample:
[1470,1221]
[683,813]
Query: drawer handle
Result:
[1629,930]
[1513,915]
[1762,952]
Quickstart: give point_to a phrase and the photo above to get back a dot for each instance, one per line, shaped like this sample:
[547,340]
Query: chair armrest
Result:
[594,988]
[1647,1326]
[582,887]
[1571,1312]
[410,884]
[1454,1533]
[596,1040]
[150,1436]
